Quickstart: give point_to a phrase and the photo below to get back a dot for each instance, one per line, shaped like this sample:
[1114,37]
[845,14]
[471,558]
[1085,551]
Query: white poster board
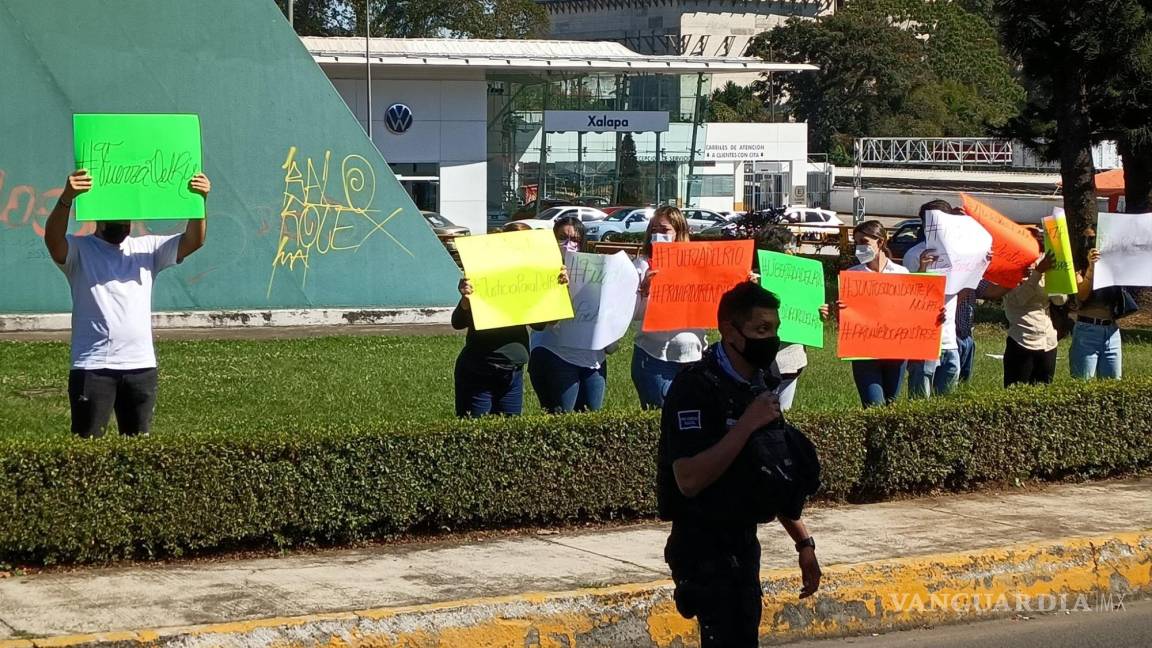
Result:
[603,289]
[962,247]
[1125,245]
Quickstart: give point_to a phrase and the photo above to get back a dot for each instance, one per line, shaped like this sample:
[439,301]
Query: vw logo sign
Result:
[398,119]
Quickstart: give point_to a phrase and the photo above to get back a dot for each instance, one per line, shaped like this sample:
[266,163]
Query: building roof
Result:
[569,56]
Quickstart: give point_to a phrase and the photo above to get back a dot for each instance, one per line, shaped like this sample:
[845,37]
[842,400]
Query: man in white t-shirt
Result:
[926,377]
[110,274]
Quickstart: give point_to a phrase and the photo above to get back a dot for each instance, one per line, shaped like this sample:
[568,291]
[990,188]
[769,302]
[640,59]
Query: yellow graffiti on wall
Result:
[313,224]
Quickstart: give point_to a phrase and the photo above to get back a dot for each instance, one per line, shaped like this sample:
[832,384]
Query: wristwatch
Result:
[806,542]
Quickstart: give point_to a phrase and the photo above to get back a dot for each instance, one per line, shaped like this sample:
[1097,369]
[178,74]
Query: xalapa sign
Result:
[606,121]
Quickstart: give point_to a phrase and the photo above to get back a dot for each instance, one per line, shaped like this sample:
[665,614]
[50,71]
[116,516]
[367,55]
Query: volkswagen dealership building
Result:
[474,129]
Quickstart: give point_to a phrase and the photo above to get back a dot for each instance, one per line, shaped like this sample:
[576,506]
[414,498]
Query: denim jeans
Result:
[489,392]
[967,357]
[877,381]
[563,387]
[1095,351]
[94,394]
[652,377]
[927,377]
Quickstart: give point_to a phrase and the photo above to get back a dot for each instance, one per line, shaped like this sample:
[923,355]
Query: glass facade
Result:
[592,168]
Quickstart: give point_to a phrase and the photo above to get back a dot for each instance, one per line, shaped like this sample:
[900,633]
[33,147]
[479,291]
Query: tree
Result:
[630,191]
[892,68]
[421,18]
[318,17]
[736,103]
[1073,54]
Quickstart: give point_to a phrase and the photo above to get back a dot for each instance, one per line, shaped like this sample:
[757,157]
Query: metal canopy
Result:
[534,55]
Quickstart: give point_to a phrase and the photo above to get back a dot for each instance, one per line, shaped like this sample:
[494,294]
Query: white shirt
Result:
[112,298]
[948,334]
[669,346]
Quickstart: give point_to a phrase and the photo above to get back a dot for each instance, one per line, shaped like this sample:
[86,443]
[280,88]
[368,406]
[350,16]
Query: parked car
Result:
[446,231]
[904,237]
[613,227]
[814,224]
[615,208]
[528,210]
[599,202]
[550,216]
[701,219]
[497,219]
[749,225]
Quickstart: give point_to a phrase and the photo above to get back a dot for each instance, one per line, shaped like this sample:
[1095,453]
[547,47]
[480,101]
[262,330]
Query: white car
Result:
[547,218]
[814,223]
[624,220]
[701,219]
[636,220]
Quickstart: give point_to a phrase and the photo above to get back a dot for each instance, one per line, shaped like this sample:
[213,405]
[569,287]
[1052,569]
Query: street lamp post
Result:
[368,62]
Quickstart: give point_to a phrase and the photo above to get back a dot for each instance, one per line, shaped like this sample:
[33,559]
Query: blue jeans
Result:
[877,381]
[652,377]
[926,377]
[563,387]
[487,392]
[1095,351]
[967,357]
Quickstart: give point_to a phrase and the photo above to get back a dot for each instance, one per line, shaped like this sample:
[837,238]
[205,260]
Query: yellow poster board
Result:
[515,278]
[1061,278]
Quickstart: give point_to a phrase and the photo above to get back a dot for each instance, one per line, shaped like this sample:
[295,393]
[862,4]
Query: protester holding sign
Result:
[489,372]
[1096,350]
[566,378]
[111,275]
[658,356]
[800,285]
[1030,352]
[940,376]
[877,381]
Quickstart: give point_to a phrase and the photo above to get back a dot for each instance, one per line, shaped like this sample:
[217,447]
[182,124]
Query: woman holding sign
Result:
[658,357]
[567,379]
[877,381]
[1096,350]
[490,368]
[1030,352]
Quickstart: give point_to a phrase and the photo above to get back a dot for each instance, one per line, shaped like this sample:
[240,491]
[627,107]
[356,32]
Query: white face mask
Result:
[865,253]
[660,237]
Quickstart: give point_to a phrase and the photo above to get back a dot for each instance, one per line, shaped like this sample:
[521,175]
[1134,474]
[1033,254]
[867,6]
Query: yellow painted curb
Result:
[1077,574]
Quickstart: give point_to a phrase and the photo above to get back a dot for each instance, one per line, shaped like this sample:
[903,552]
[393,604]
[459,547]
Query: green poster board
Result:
[799,283]
[140,166]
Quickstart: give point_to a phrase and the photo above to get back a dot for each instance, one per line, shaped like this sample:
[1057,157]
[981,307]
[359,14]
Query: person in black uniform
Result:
[727,462]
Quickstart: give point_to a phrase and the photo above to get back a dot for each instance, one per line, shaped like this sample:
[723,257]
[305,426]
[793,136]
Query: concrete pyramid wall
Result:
[304,210]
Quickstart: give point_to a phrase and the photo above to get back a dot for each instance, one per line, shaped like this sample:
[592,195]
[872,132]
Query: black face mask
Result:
[115,233]
[760,352]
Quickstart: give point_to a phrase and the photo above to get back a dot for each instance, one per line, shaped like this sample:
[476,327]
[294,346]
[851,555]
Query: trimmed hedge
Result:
[66,500]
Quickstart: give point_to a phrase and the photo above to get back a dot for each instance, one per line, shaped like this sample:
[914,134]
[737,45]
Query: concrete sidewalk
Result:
[967,541]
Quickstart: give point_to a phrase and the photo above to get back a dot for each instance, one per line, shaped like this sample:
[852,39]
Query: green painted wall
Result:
[304,211]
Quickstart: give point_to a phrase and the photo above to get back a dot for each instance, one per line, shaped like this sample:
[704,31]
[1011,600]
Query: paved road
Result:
[1130,627]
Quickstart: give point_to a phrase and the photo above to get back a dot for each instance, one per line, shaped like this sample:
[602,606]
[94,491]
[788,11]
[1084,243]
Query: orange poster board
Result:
[890,316]
[689,281]
[1013,248]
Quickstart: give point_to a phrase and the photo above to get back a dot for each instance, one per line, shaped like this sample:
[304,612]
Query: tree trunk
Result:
[1137,159]
[1077,170]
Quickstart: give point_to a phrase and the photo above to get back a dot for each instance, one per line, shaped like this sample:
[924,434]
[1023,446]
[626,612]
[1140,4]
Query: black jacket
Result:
[776,471]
